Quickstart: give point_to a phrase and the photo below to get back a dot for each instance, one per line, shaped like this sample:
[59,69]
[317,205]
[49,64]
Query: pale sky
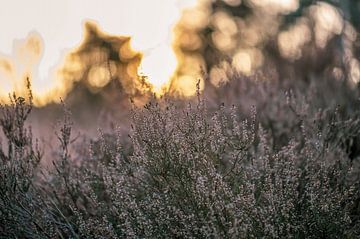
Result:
[60,23]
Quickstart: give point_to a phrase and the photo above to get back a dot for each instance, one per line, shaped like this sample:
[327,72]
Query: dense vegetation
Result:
[254,159]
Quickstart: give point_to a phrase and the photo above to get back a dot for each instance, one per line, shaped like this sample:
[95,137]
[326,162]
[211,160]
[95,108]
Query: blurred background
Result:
[293,39]
[98,57]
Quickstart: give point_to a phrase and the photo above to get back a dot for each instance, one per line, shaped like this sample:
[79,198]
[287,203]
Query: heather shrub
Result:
[196,170]
[222,178]
[22,212]
[26,211]
[192,175]
[282,104]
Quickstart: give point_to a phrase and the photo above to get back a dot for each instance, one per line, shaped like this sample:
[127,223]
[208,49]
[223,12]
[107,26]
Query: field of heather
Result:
[252,159]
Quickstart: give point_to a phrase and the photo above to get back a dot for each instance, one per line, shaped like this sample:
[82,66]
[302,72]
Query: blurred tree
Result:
[311,39]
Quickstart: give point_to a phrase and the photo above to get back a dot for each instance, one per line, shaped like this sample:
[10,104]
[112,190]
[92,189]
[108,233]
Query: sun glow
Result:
[52,55]
[159,67]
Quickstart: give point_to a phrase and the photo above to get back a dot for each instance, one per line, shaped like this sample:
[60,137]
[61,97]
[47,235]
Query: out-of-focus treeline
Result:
[297,40]
[288,40]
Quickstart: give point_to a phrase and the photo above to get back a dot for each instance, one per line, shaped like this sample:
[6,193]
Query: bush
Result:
[188,172]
